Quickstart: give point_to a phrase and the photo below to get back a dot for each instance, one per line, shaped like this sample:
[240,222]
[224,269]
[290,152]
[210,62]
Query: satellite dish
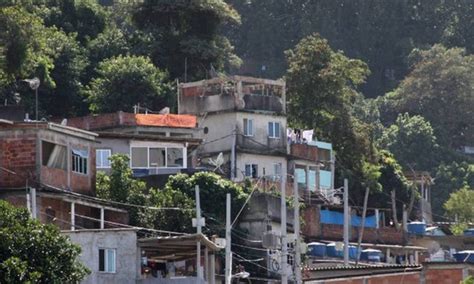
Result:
[165,110]
[339,246]
[218,162]
[433,247]
[64,121]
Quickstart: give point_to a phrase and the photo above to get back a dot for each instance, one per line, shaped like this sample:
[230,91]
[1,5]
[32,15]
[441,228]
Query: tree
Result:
[213,189]
[31,252]
[127,81]
[412,141]
[187,33]
[439,88]
[321,89]
[448,178]
[459,205]
[120,186]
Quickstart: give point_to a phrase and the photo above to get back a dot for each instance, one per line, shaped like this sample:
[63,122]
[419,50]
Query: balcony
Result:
[266,146]
[304,151]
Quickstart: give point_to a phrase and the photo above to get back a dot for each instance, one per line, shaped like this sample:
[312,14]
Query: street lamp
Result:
[34,85]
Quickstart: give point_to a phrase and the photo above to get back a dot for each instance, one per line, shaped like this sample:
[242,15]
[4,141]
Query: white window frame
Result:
[101,165]
[106,260]
[273,126]
[183,151]
[276,172]
[248,127]
[251,172]
[78,167]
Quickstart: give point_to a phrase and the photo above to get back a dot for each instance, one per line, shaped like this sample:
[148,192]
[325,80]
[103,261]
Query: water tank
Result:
[317,249]
[416,228]
[352,252]
[372,255]
[469,232]
[332,252]
[464,256]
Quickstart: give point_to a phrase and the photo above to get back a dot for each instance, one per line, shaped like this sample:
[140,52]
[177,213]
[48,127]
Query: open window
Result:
[107,260]
[53,155]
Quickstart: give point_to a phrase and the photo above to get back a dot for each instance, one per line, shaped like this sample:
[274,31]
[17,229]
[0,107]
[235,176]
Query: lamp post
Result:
[34,85]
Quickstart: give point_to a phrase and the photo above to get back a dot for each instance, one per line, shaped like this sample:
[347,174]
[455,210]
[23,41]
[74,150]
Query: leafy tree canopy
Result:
[127,81]
[316,73]
[412,141]
[459,205]
[31,252]
[188,31]
[439,88]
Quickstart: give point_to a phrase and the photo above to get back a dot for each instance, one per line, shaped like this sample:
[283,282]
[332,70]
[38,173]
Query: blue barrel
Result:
[332,252]
[352,252]
[416,228]
[464,256]
[317,249]
[372,255]
[469,232]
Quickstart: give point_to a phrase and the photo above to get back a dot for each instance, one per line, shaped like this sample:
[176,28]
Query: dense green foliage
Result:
[31,252]
[412,141]
[177,198]
[381,33]
[459,205]
[128,81]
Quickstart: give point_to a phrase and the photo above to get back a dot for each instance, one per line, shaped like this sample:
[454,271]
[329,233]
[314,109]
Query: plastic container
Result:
[332,252]
[371,255]
[317,249]
[352,252]
[416,228]
[464,256]
[469,232]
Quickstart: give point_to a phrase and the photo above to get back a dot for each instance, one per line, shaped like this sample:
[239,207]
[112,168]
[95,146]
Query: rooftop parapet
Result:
[232,93]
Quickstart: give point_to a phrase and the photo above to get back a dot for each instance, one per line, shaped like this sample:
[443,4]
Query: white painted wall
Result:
[127,254]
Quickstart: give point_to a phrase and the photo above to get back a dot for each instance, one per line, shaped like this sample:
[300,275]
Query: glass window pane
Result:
[270,129]
[248,170]
[251,127]
[277,130]
[101,260]
[157,157]
[139,157]
[174,157]
[110,260]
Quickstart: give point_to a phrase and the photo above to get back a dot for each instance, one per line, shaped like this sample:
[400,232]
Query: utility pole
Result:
[296,205]
[228,252]
[361,233]
[33,202]
[232,154]
[198,226]
[346,222]
[284,241]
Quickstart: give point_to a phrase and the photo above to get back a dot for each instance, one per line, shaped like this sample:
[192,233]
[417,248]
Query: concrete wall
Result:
[219,127]
[127,254]
[260,139]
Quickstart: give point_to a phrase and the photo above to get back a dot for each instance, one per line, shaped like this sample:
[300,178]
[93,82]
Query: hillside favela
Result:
[237,141]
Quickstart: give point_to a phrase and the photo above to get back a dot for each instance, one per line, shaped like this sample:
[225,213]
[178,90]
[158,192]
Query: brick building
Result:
[50,168]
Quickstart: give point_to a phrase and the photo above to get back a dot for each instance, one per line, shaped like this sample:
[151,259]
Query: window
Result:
[251,170]
[277,169]
[79,161]
[102,158]
[248,127]
[274,129]
[139,157]
[54,155]
[157,157]
[174,157]
[107,260]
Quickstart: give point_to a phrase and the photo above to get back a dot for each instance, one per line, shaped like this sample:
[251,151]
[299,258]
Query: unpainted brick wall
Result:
[18,155]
